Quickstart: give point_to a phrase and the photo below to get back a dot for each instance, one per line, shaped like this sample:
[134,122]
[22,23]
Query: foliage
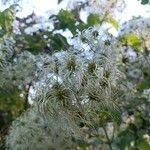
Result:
[65,20]
[113,22]
[6,19]
[132,40]
[144,2]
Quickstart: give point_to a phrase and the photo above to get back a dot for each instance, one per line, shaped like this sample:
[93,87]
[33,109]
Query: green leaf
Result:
[143,85]
[65,19]
[59,42]
[7,17]
[132,40]
[34,43]
[93,19]
[143,145]
[59,1]
[113,22]
[144,2]
[125,138]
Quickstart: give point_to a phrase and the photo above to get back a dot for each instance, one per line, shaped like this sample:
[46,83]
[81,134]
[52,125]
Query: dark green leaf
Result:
[59,1]
[65,19]
[59,42]
[144,2]
[125,138]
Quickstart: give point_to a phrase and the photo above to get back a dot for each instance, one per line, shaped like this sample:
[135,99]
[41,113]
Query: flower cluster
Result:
[77,91]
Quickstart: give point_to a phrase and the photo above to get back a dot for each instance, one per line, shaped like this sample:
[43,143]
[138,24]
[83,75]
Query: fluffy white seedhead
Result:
[106,6]
[32,131]
[74,90]
[19,71]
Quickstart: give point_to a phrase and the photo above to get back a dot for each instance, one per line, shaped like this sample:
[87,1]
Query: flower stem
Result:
[107,137]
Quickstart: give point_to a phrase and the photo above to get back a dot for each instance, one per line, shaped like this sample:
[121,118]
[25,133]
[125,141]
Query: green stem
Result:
[107,137]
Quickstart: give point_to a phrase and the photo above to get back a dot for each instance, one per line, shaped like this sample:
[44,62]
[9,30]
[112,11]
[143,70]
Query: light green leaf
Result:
[7,17]
[113,22]
[132,40]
